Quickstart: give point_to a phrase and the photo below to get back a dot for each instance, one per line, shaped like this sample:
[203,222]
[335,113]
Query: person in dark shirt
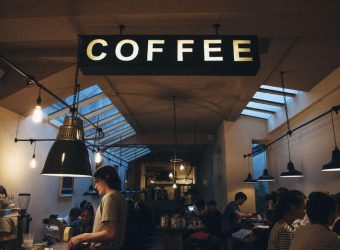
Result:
[336,225]
[232,214]
[212,218]
[270,205]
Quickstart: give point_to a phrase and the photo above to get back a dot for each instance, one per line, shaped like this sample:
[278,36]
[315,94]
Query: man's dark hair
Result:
[212,203]
[3,190]
[240,195]
[75,212]
[109,175]
[319,207]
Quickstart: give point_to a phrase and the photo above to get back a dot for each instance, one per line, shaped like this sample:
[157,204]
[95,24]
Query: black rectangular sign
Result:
[169,55]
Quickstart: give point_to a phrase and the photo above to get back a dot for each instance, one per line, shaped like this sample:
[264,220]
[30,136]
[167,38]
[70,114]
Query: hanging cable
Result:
[333,130]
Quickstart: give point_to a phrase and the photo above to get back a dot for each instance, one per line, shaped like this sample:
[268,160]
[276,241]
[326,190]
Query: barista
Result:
[7,225]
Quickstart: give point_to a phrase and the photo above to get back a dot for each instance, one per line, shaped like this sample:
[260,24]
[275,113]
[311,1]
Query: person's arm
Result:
[240,215]
[108,233]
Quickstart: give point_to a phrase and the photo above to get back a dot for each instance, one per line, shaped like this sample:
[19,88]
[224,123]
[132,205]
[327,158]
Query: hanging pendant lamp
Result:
[265,175]
[68,155]
[249,178]
[91,191]
[334,164]
[291,171]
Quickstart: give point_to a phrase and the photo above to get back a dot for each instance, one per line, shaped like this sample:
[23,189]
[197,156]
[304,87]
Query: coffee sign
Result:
[169,55]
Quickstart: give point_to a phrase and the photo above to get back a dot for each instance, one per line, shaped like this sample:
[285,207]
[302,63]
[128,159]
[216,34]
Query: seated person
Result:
[73,217]
[321,212]
[87,218]
[290,207]
[336,225]
[8,225]
[270,205]
[232,214]
[212,218]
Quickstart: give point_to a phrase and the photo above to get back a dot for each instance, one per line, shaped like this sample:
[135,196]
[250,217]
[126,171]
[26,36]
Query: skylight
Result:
[267,101]
[96,107]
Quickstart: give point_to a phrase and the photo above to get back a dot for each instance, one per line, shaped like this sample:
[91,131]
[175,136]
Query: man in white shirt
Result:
[316,236]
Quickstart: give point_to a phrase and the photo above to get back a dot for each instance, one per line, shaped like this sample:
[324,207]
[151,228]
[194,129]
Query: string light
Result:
[37,113]
[174,186]
[181,167]
[33,162]
[171,175]
[98,157]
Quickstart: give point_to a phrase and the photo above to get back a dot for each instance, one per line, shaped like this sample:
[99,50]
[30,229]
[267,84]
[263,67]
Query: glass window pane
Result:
[256,105]
[271,97]
[291,91]
[83,95]
[94,106]
[106,125]
[255,113]
[102,116]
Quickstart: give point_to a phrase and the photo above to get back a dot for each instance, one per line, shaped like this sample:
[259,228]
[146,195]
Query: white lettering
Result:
[89,50]
[237,51]
[208,49]
[181,50]
[151,48]
[135,50]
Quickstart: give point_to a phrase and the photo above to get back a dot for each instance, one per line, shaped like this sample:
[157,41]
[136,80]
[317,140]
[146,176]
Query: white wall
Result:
[18,177]
[238,138]
[311,146]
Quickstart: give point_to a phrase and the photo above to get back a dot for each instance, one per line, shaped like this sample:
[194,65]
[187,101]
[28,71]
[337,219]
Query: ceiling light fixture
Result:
[68,155]
[249,178]
[37,113]
[33,162]
[291,171]
[265,175]
[334,164]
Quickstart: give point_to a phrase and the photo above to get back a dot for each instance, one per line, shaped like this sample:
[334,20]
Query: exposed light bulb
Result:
[33,162]
[98,157]
[174,186]
[37,114]
[171,175]
[152,181]
[181,167]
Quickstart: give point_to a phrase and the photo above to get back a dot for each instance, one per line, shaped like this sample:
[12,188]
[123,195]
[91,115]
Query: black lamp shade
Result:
[334,164]
[265,176]
[68,155]
[250,179]
[292,172]
[68,158]
[91,191]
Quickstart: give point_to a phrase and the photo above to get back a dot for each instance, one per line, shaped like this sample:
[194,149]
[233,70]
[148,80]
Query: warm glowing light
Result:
[98,157]
[181,167]
[152,181]
[37,114]
[33,163]
[174,186]
[171,176]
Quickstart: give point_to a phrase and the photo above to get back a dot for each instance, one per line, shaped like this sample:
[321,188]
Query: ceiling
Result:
[298,37]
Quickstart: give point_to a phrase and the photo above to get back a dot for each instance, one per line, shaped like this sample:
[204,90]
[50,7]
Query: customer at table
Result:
[270,205]
[73,216]
[110,220]
[212,219]
[336,225]
[317,235]
[232,214]
[290,207]
[87,218]
[8,226]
